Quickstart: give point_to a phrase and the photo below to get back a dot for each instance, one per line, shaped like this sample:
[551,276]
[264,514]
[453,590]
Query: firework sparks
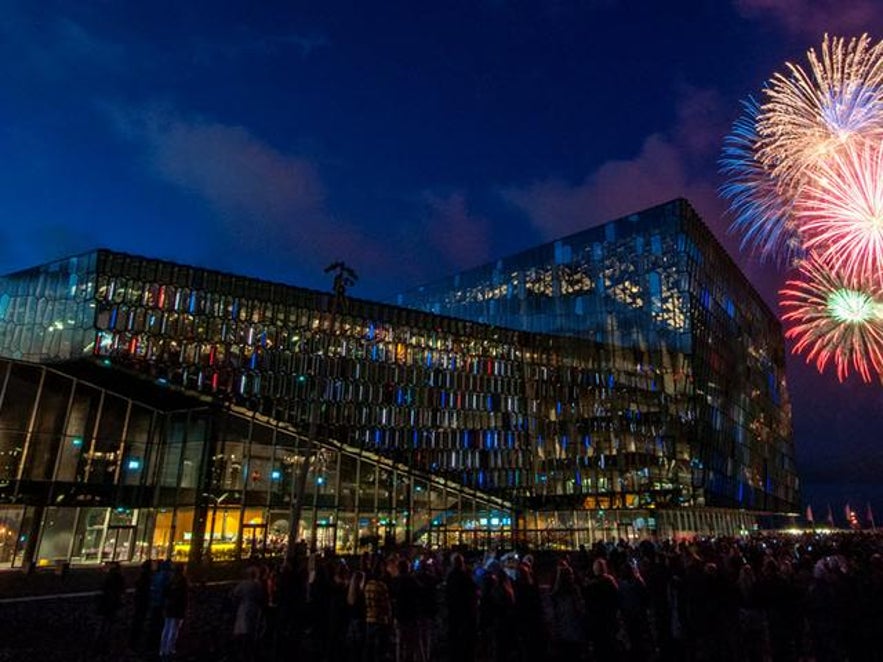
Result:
[761,212]
[810,115]
[834,319]
[841,211]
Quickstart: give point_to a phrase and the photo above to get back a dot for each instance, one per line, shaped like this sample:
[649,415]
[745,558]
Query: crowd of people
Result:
[764,598]
[159,605]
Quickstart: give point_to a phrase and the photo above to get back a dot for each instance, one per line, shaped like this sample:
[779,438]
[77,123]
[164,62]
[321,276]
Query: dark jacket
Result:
[175,603]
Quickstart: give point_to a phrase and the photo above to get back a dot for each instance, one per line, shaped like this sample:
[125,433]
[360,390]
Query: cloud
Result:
[462,237]
[59,48]
[557,208]
[699,127]
[812,18]
[668,165]
[274,203]
[235,172]
[680,162]
[247,42]
[264,197]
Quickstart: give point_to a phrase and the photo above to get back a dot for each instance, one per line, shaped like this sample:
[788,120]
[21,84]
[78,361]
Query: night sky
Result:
[410,139]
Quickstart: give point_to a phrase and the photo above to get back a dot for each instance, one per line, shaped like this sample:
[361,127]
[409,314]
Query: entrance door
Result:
[326,536]
[119,543]
[91,543]
[254,540]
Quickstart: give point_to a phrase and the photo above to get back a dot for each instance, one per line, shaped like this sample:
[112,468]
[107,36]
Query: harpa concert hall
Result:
[625,381]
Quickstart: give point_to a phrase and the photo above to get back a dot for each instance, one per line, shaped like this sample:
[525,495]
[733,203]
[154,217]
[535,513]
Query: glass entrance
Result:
[104,534]
[254,540]
[119,543]
[93,523]
[326,535]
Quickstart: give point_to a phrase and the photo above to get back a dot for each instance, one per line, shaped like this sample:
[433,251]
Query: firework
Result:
[834,319]
[762,213]
[804,175]
[812,114]
[841,211]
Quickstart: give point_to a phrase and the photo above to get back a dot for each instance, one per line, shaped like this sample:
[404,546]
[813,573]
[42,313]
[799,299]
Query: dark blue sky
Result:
[411,139]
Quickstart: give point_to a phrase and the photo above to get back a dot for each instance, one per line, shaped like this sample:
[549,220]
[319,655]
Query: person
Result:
[249,598]
[634,602]
[752,619]
[406,609]
[461,597]
[530,625]
[378,614]
[268,578]
[109,602]
[355,603]
[174,609]
[428,608]
[337,611]
[156,617]
[319,592]
[602,611]
[825,606]
[141,604]
[569,610]
[291,593]
[500,617]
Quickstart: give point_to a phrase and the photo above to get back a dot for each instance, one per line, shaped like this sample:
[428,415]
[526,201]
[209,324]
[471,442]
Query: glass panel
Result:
[229,463]
[10,526]
[78,434]
[323,476]
[91,527]
[135,454]
[48,426]
[143,535]
[162,534]
[15,412]
[182,534]
[347,533]
[326,530]
[57,535]
[347,488]
[222,529]
[277,532]
[288,463]
[306,526]
[386,517]
[105,451]
[173,445]
[191,459]
[367,487]
[421,514]
[254,532]
[260,464]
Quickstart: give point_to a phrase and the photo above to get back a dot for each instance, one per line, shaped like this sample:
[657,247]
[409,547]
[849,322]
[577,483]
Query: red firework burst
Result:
[834,319]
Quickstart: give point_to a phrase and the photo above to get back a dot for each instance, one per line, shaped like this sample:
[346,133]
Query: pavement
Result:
[65,628]
[51,614]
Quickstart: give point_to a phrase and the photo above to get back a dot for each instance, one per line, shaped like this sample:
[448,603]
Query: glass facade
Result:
[651,285]
[128,481]
[640,391]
